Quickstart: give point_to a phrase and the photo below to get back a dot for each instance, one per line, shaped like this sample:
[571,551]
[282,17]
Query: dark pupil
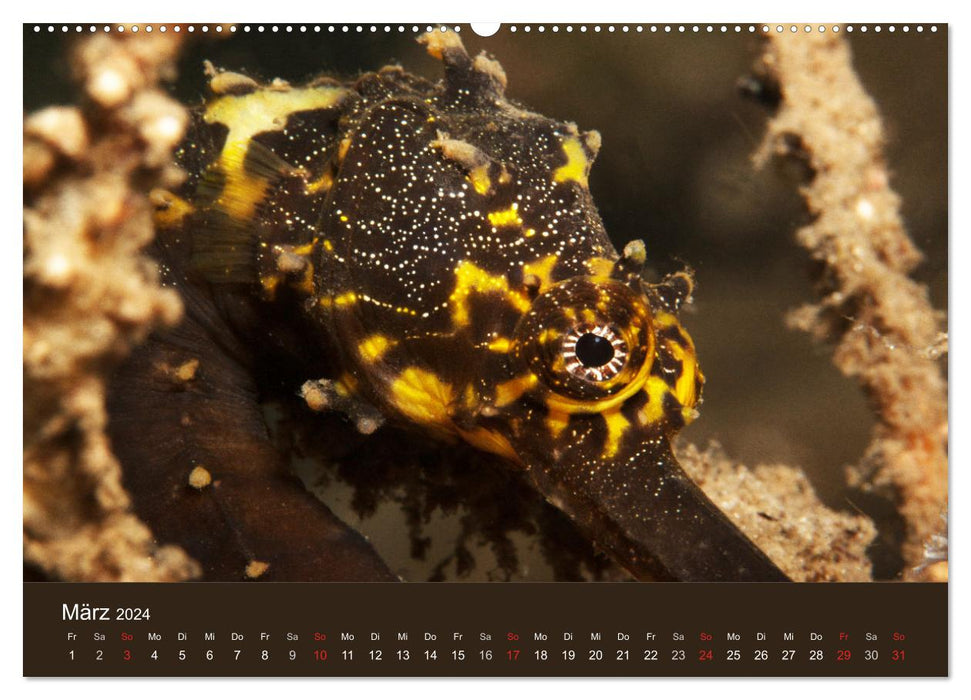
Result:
[594,350]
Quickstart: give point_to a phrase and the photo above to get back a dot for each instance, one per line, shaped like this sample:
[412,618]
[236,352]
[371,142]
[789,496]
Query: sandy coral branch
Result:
[886,333]
[777,508]
[89,295]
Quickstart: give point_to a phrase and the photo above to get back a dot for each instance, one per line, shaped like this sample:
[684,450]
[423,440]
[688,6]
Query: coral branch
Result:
[89,296]
[775,505]
[886,333]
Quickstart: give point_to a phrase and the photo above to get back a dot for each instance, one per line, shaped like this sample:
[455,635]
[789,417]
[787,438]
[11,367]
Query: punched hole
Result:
[485,28]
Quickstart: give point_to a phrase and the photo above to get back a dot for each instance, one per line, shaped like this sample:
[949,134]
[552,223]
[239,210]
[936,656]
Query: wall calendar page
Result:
[422,350]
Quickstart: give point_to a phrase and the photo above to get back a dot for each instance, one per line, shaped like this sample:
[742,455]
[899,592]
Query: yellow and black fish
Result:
[453,274]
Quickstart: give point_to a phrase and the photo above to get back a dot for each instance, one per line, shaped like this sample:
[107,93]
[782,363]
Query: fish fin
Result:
[232,195]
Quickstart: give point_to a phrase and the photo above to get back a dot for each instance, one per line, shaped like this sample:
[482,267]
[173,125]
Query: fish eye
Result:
[589,342]
[594,352]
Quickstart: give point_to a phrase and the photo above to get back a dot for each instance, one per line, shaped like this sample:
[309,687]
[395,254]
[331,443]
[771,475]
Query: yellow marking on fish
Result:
[470,398]
[469,278]
[343,148]
[548,335]
[423,397]
[247,115]
[500,345]
[511,390]
[543,269]
[603,302]
[270,282]
[556,421]
[306,283]
[328,246]
[506,217]
[663,319]
[577,166]
[373,348]
[322,183]
[685,388]
[617,425]
[242,192]
[170,209]
[490,441]
[345,299]
[346,385]
[600,268]
[653,411]
[479,177]
[341,301]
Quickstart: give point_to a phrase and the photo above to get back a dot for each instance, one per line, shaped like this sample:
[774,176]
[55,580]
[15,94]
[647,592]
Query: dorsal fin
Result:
[234,190]
[230,195]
